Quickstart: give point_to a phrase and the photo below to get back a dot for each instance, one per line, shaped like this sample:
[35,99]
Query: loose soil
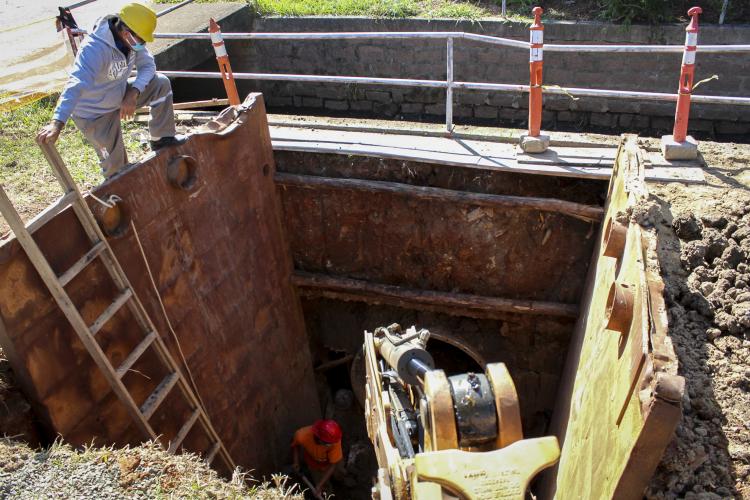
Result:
[704,252]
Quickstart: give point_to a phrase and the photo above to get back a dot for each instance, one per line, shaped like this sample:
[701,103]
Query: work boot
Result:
[167,141]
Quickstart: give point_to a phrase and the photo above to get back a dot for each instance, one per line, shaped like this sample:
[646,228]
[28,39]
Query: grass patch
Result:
[376,8]
[146,471]
[24,172]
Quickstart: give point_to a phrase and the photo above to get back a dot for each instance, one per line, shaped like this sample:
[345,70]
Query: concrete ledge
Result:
[193,18]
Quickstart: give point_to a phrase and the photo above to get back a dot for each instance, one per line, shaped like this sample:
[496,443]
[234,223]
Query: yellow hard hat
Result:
[140,19]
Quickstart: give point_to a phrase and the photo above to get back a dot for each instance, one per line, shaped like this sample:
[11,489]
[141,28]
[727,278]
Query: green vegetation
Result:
[376,8]
[619,11]
[24,172]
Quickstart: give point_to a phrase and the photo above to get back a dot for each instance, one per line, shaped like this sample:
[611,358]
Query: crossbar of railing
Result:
[405,82]
[500,87]
[672,49]
[508,42]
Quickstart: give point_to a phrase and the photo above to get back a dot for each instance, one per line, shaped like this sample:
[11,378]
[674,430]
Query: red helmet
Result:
[327,431]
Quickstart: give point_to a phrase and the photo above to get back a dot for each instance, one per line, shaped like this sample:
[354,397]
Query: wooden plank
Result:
[603,157]
[690,175]
[81,263]
[190,105]
[51,211]
[441,150]
[71,313]
[578,210]
[585,161]
[184,430]
[137,353]
[110,311]
[159,395]
[364,291]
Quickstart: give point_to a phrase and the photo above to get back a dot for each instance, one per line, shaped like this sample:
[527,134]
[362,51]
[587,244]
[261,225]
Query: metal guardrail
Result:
[449,84]
[508,42]
[535,46]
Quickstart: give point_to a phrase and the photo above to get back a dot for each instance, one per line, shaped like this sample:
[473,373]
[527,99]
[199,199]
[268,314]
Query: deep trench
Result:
[533,347]
[535,255]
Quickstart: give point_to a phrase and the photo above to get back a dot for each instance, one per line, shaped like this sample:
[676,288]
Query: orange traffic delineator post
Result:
[534,142]
[536,64]
[223,59]
[687,73]
[679,146]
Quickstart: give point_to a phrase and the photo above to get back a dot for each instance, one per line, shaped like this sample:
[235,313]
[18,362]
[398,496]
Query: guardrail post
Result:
[226,69]
[449,86]
[534,142]
[679,145]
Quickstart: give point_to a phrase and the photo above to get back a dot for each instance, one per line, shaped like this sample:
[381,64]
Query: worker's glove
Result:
[49,133]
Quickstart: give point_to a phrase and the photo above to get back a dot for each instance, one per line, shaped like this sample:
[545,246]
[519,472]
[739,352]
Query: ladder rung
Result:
[81,263]
[110,311]
[160,393]
[212,452]
[137,353]
[180,437]
[61,204]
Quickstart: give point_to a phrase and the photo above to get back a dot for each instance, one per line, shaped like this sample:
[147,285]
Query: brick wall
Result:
[478,62]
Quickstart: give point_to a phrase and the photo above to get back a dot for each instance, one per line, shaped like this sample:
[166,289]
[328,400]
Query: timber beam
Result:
[459,304]
[577,210]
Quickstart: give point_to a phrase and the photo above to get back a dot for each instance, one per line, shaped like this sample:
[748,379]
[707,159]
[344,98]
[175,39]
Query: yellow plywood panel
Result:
[616,408]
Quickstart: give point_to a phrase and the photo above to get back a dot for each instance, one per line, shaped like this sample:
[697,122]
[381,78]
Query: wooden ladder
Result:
[127,297]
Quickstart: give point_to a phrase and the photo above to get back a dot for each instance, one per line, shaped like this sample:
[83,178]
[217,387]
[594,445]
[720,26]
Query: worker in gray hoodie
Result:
[99,91]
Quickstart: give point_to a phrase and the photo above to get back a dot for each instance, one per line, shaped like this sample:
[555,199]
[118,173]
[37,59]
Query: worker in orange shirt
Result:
[320,446]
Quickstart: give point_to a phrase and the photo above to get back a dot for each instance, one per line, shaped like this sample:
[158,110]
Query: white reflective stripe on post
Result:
[688,57]
[537,36]
[691,38]
[221,51]
[218,43]
[536,54]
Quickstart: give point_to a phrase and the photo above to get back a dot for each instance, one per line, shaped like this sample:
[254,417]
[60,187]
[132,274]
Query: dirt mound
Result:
[704,253]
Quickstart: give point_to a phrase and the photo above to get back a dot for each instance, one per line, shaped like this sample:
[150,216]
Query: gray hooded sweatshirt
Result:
[100,74]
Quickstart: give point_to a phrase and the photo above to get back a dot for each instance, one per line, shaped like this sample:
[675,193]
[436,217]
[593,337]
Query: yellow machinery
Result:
[441,437]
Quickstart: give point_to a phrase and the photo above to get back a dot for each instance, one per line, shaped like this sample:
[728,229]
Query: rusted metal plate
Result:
[619,398]
[222,267]
[433,244]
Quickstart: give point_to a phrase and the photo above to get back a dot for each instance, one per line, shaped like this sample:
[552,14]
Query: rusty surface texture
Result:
[390,237]
[620,395]
[212,235]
